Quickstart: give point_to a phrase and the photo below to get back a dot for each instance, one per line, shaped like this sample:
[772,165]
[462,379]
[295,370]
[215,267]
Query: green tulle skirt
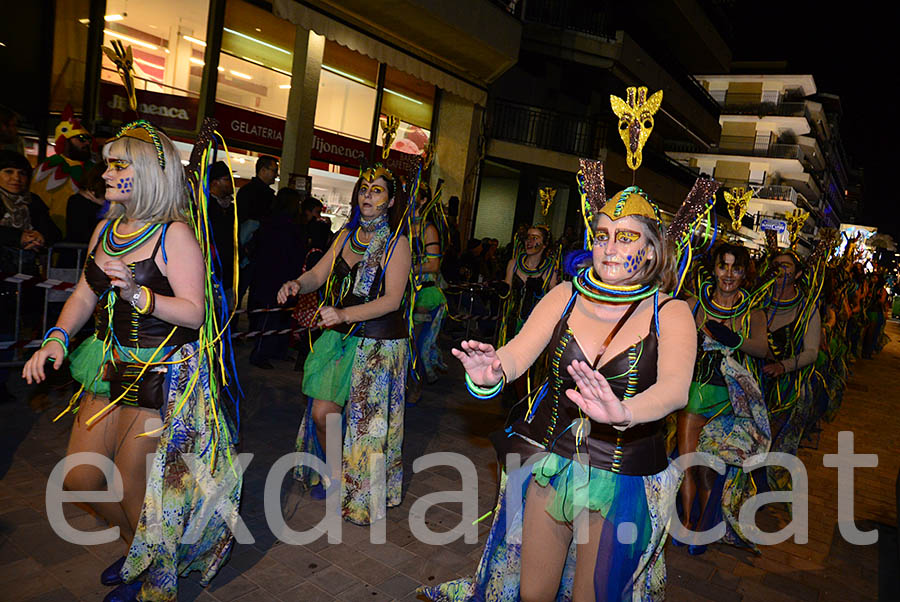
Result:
[577,486]
[328,370]
[86,362]
[707,400]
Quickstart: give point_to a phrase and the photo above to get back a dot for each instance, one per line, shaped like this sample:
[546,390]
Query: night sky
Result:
[852,55]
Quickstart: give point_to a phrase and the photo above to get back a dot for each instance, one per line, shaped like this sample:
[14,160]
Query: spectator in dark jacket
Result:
[254,204]
[278,257]
[25,223]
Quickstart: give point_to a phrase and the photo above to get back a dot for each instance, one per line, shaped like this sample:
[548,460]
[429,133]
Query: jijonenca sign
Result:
[341,147]
[166,110]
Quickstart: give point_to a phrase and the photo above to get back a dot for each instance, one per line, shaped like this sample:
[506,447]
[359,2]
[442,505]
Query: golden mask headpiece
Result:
[378,170]
[635,121]
[795,220]
[145,132]
[737,200]
[547,196]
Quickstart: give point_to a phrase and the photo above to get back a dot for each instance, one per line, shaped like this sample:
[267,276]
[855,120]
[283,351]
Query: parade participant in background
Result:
[358,365]
[430,303]
[795,329]
[149,374]
[530,274]
[60,175]
[725,403]
[622,358]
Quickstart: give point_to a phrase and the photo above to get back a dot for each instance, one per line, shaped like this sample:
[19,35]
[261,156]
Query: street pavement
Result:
[36,565]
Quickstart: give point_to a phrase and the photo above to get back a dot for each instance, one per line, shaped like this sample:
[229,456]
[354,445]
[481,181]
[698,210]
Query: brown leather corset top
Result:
[131,328]
[639,450]
[391,325]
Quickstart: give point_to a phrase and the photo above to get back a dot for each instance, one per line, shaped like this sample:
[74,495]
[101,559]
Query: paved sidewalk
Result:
[35,564]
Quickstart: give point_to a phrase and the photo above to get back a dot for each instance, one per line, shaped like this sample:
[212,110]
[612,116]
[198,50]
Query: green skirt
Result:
[429,298]
[707,400]
[328,369]
[577,486]
[86,363]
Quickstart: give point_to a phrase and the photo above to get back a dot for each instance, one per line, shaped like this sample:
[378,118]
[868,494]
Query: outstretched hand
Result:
[481,362]
[595,397]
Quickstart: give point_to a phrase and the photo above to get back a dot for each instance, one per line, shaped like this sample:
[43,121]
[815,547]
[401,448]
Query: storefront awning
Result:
[356,40]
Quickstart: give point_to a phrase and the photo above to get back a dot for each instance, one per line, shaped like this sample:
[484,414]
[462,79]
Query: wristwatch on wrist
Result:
[136,297]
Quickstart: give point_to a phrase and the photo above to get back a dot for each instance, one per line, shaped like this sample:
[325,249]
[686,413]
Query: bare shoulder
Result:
[560,294]
[676,309]
[180,233]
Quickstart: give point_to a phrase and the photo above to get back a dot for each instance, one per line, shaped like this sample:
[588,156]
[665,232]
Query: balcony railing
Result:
[593,18]
[774,192]
[547,129]
[742,146]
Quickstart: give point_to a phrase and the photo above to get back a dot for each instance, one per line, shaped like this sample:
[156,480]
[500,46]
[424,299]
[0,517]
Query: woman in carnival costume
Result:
[726,412]
[588,520]
[794,326]
[149,374]
[530,275]
[430,306]
[358,366]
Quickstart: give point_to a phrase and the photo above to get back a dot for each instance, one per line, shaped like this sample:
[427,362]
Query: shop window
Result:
[256,60]
[346,100]
[69,52]
[407,97]
[412,100]
[163,36]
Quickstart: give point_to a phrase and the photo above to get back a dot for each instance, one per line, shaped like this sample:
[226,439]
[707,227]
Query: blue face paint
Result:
[125,185]
[633,262]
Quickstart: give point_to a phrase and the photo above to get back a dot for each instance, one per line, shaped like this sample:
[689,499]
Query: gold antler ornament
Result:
[123,59]
[428,155]
[547,196]
[635,121]
[389,124]
[795,220]
[737,201]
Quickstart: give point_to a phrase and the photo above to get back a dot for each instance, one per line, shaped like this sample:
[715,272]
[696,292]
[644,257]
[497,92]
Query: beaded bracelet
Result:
[482,392]
[60,329]
[60,341]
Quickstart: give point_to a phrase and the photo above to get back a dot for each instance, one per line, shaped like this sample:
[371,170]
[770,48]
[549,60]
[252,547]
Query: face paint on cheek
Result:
[633,262]
[125,185]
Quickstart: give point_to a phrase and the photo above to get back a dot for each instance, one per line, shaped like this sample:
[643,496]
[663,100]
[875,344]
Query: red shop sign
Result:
[334,148]
[165,110]
[246,126]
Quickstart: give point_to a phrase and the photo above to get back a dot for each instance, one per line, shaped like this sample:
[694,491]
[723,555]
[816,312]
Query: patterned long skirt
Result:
[193,487]
[372,431]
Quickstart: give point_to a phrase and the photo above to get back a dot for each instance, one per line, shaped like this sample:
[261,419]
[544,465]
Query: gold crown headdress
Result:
[736,200]
[145,132]
[370,174]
